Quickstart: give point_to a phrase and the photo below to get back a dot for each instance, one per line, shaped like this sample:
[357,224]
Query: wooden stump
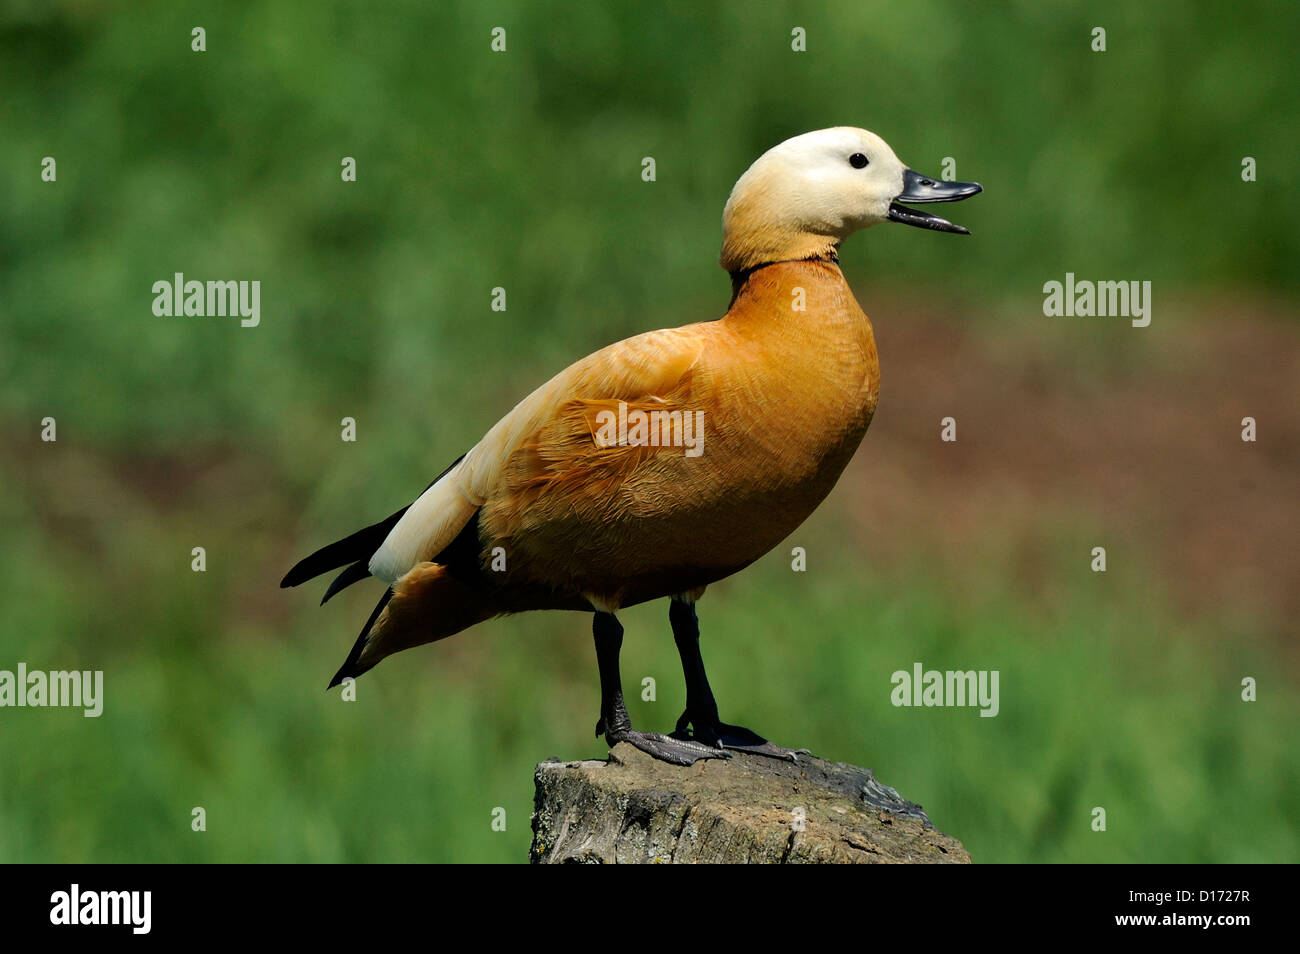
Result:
[633,809]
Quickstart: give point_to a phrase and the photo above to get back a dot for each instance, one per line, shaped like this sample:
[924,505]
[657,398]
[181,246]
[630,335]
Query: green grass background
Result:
[523,170]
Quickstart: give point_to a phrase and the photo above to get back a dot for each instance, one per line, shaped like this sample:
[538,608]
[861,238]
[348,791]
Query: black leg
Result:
[701,708]
[614,723]
[686,633]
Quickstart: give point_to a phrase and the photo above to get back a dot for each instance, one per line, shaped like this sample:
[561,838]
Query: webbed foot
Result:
[677,751]
[718,734]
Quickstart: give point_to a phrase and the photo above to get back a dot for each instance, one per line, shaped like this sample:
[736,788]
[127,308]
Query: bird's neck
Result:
[784,287]
[746,249]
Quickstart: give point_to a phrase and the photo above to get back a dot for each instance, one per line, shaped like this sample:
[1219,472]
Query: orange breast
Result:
[778,398]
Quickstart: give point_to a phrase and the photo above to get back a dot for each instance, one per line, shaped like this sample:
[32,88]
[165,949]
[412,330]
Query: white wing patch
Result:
[442,511]
[428,525]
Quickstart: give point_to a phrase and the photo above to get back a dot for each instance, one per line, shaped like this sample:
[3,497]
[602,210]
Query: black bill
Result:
[919,189]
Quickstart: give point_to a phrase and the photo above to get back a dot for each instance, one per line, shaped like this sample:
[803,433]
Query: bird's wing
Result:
[544,430]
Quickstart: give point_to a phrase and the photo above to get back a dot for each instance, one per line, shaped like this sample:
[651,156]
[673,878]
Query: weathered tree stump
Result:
[748,809]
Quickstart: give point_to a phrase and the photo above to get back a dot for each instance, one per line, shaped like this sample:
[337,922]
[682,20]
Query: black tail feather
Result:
[350,668]
[357,571]
[356,548]
[359,546]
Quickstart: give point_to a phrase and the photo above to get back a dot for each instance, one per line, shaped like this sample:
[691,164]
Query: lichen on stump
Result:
[747,809]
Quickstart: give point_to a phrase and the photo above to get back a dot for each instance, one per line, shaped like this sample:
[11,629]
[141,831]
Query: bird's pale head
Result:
[801,198]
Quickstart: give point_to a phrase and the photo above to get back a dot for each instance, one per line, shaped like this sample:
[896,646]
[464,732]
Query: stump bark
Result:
[633,809]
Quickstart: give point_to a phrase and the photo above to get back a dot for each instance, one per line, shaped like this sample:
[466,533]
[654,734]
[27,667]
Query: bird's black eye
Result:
[858,160]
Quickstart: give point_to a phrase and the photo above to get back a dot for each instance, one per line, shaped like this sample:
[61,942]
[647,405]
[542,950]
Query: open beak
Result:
[918,189]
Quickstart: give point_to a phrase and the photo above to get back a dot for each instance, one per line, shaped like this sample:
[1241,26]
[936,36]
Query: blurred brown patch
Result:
[1130,437]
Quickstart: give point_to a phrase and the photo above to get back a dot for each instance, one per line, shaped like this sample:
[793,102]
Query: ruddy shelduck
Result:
[664,463]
